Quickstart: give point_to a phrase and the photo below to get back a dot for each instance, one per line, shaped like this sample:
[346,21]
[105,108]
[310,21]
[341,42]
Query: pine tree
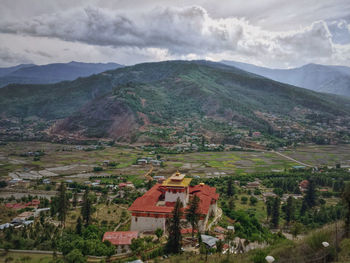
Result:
[231,204]
[310,196]
[276,212]
[230,187]
[79,226]
[192,213]
[86,208]
[269,206]
[174,242]
[75,199]
[346,200]
[289,210]
[62,203]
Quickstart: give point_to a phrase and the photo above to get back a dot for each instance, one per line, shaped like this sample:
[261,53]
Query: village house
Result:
[303,185]
[253,185]
[151,210]
[121,239]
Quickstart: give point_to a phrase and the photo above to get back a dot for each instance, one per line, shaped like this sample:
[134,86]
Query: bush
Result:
[98,169]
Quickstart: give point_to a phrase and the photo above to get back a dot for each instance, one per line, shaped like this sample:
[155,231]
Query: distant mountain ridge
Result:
[163,101]
[51,73]
[321,78]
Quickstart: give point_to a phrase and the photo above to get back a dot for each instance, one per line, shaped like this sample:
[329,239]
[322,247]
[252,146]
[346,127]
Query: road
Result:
[216,219]
[290,158]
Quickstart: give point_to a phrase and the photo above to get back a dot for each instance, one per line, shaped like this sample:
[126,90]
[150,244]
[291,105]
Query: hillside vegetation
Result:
[173,97]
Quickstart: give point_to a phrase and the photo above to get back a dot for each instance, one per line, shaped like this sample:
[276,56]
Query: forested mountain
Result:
[163,101]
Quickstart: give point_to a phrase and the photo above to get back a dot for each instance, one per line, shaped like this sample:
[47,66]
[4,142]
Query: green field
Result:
[203,164]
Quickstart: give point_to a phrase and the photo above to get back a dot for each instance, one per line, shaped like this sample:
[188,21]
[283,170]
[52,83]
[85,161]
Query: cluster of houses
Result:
[149,160]
[25,218]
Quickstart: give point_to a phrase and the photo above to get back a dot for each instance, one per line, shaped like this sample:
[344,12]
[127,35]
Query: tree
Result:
[192,213]
[310,197]
[79,226]
[62,203]
[75,199]
[174,242]
[276,212]
[86,208]
[269,206]
[137,245]
[75,256]
[296,229]
[289,210]
[346,200]
[253,200]
[159,233]
[219,246]
[230,187]
[231,204]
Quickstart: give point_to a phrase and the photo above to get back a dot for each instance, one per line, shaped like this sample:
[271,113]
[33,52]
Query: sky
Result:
[271,33]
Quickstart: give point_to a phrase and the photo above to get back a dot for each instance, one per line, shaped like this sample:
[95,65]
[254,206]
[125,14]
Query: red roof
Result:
[187,231]
[148,202]
[304,184]
[34,202]
[120,237]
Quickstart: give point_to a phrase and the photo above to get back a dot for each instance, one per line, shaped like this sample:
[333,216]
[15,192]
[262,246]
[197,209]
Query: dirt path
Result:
[216,219]
[147,175]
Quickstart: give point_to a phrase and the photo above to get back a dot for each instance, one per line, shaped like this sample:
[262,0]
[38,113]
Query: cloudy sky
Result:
[273,33]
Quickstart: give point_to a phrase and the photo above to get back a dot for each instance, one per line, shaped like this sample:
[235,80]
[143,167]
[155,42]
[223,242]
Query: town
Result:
[121,204]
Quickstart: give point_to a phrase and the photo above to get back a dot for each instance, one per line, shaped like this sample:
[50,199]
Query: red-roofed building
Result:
[151,210]
[121,239]
[303,185]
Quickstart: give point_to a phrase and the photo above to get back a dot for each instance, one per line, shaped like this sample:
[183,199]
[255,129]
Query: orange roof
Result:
[304,184]
[148,202]
[120,237]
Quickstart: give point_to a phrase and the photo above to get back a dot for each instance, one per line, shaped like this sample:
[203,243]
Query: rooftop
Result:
[149,202]
[178,180]
[120,237]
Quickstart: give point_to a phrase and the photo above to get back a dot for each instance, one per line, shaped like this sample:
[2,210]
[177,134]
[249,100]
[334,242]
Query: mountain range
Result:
[321,78]
[169,101]
[51,73]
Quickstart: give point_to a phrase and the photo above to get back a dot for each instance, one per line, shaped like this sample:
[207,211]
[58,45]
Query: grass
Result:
[25,257]
[109,216]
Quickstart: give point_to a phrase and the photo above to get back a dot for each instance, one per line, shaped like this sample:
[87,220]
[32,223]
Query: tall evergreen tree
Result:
[289,210]
[276,212]
[310,196]
[174,242]
[62,203]
[79,226]
[86,208]
[192,213]
[75,199]
[269,206]
[346,200]
[230,187]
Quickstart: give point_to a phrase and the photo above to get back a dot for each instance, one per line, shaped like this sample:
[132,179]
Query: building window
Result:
[135,219]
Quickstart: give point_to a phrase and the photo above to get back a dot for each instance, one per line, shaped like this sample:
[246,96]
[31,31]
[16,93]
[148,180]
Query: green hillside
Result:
[205,97]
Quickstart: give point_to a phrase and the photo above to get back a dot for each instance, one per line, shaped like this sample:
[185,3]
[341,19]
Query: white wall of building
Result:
[172,197]
[143,224]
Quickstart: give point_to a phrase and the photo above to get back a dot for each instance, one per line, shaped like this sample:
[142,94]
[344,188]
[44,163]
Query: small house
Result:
[121,239]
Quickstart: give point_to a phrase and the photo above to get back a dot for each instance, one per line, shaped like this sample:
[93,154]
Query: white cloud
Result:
[180,32]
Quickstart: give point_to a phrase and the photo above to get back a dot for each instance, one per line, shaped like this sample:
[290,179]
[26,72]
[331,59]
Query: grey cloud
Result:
[180,31]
